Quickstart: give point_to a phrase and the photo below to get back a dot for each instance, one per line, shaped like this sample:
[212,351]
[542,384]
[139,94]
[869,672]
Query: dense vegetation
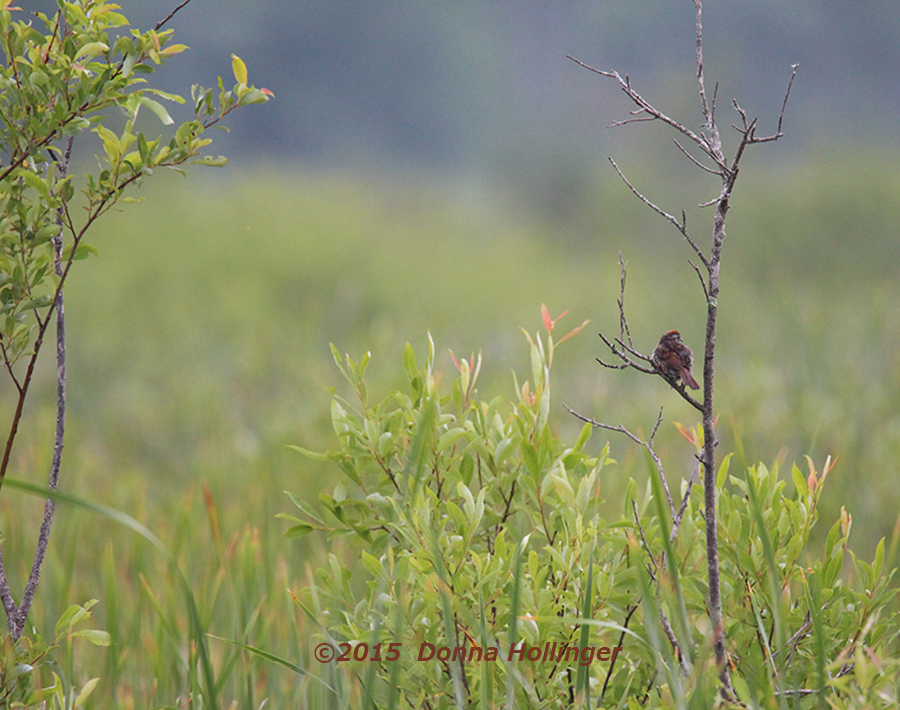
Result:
[202,352]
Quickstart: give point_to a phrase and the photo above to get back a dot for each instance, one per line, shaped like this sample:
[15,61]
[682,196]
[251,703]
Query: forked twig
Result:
[680,226]
[648,444]
[676,523]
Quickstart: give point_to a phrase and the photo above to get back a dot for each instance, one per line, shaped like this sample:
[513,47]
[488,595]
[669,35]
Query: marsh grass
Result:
[199,351]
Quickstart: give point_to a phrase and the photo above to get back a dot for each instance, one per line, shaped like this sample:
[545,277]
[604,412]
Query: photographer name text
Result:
[549,652]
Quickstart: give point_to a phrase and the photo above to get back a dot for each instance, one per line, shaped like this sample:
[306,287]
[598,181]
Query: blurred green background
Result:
[440,167]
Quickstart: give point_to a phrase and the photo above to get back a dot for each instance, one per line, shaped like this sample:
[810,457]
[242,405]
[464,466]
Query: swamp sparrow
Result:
[673,359]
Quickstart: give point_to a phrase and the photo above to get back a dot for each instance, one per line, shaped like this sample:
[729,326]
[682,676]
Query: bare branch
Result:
[612,663]
[702,280]
[712,146]
[621,351]
[59,439]
[676,523]
[680,226]
[712,110]
[667,628]
[659,419]
[647,107]
[8,365]
[637,521]
[708,140]
[778,133]
[787,95]
[170,15]
[631,350]
[9,604]
[707,113]
[611,74]
[695,161]
[611,366]
[648,445]
[680,388]
[624,330]
[615,124]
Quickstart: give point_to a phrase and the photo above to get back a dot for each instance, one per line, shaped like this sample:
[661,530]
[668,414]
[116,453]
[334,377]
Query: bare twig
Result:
[17,614]
[612,663]
[168,17]
[670,634]
[645,106]
[631,120]
[694,160]
[624,330]
[612,366]
[676,523]
[702,280]
[621,351]
[633,351]
[648,445]
[787,95]
[59,439]
[680,226]
[637,521]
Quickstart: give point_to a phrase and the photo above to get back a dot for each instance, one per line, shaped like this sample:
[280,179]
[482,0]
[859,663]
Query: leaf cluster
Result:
[63,74]
[27,663]
[469,524]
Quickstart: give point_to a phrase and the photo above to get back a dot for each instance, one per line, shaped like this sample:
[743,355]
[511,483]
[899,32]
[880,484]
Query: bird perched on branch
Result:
[673,359]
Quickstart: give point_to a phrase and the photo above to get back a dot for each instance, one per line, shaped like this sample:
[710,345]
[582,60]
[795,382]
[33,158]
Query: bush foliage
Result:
[472,526]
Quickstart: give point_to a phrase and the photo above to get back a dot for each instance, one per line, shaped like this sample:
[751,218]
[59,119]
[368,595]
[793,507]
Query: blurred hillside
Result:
[486,87]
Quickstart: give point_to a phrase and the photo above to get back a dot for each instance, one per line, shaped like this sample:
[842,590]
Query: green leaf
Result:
[252,96]
[95,636]
[110,143]
[38,695]
[799,481]
[36,182]
[239,69]
[218,162]
[158,109]
[75,126]
[878,563]
[86,691]
[449,438]
[91,49]
[166,95]
[129,64]
[409,362]
[70,617]
[314,455]
[82,251]
[723,471]
[297,531]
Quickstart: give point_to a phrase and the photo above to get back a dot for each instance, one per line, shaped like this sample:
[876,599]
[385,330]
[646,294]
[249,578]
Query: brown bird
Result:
[673,359]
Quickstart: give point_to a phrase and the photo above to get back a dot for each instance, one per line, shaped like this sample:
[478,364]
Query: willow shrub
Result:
[480,569]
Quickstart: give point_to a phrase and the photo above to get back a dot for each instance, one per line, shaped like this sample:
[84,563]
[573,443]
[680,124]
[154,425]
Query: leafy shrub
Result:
[27,662]
[473,530]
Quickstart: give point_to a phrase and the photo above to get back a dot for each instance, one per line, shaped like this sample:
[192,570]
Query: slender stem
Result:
[170,15]
[712,312]
[709,141]
[59,439]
